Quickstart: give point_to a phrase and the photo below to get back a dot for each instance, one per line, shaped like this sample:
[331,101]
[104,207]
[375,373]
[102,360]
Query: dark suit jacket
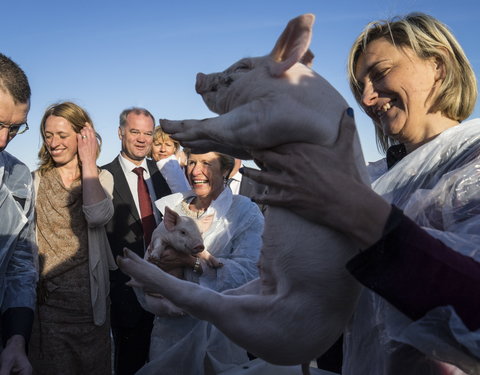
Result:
[125,230]
[249,188]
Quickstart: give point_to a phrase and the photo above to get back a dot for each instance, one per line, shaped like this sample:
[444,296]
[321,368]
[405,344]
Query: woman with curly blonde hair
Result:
[170,160]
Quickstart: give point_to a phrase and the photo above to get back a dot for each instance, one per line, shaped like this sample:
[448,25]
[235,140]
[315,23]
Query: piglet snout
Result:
[200,85]
[211,82]
[198,249]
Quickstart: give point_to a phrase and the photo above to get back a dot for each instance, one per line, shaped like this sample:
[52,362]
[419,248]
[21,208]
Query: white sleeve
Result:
[173,174]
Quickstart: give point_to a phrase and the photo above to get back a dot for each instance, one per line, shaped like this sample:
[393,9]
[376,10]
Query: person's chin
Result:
[392,128]
[59,162]
[139,156]
[202,191]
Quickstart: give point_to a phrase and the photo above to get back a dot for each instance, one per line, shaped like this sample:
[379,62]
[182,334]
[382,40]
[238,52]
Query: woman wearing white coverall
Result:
[231,227]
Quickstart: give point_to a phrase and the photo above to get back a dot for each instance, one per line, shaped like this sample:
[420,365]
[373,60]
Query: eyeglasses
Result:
[13,130]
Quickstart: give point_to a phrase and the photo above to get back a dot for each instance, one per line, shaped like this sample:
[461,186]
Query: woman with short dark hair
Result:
[231,227]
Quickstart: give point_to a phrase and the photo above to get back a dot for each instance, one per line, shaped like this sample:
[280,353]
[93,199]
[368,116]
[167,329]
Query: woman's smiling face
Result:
[205,175]
[398,89]
[61,140]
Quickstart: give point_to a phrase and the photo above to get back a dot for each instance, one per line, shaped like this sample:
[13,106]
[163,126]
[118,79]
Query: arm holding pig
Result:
[396,248]
[234,262]
[334,199]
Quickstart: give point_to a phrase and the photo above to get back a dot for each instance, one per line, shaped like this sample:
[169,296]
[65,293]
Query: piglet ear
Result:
[292,45]
[170,219]
[307,59]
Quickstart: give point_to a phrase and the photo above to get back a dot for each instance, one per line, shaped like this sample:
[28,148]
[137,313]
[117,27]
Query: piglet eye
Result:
[242,67]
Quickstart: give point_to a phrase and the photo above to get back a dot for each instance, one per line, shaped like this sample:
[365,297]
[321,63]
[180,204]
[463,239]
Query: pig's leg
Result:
[252,287]
[265,325]
[261,124]
[238,129]
[204,146]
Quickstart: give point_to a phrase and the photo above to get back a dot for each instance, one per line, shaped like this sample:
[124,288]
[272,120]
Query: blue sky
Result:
[110,55]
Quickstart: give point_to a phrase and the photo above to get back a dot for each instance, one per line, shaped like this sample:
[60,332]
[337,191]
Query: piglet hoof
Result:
[170,127]
[211,261]
[216,264]
[131,264]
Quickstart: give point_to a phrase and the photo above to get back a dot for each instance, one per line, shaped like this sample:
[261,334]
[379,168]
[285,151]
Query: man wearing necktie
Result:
[137,184]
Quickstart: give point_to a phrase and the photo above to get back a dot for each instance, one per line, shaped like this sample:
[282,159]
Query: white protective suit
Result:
[18,252]
[182,345]
[437,186]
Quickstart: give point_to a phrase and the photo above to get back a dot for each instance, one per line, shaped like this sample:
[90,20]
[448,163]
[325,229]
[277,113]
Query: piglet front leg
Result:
[209,259]
[144,275]
[233,133]
[178,130]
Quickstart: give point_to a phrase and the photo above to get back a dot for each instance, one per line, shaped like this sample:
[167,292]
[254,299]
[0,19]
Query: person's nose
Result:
[369,95]
[141,138]
[54,141]
[4,138]
[197,170]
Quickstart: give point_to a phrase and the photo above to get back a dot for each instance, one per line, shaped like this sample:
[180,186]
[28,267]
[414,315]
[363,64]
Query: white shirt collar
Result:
[219,207]
[128,166]
[237,177]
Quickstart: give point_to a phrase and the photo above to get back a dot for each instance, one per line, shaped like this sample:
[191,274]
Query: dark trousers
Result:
[131,347]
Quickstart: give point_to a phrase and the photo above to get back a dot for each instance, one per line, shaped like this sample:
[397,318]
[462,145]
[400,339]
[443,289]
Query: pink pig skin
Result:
[304,297]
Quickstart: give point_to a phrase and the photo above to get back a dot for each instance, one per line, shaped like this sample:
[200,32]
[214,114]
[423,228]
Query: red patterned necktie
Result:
[146,211]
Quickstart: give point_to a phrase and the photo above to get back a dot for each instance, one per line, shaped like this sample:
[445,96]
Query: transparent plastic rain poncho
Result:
[18,252]
[181,345]
[437,186]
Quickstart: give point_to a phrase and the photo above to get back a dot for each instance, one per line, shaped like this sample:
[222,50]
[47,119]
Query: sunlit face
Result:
[162,148]
[10,114]
[61,141]
[136,137]
[205,175]
[398,90]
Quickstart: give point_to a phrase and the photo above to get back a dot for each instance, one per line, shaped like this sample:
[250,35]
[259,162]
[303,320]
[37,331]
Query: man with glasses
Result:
[137,184]
[18,274]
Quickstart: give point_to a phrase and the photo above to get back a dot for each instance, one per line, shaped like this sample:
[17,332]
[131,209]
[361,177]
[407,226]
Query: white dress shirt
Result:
[132,180]
[234,183]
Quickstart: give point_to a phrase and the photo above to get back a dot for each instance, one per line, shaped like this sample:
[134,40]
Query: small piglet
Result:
[304,297]
[179,233]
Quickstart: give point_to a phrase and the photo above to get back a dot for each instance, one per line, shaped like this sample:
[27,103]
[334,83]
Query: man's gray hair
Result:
[137,111]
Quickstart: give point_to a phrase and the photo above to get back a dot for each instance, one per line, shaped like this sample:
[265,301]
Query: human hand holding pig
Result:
[322,184]
[171,259]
